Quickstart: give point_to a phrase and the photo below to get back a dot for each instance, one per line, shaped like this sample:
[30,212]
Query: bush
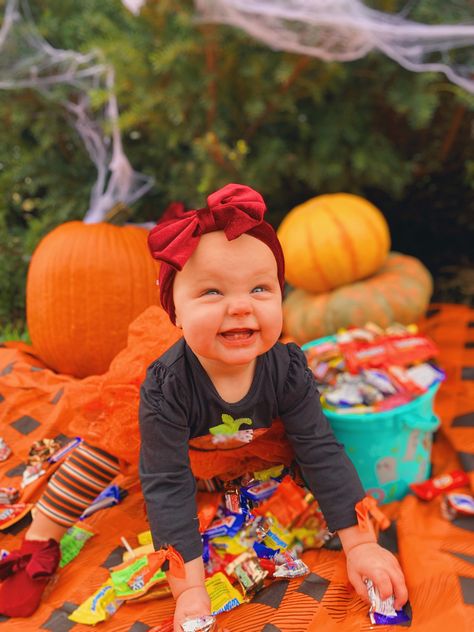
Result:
[203,105]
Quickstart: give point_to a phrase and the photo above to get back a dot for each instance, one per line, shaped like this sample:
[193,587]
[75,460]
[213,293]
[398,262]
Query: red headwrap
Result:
[236,209]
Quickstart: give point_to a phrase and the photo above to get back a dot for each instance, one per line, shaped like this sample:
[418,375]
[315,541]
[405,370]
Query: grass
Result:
[10,332]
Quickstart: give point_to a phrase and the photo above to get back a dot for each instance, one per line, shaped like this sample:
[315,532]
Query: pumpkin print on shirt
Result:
[228,435]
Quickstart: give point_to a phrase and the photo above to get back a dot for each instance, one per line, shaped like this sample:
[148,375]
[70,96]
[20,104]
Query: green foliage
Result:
[202,105]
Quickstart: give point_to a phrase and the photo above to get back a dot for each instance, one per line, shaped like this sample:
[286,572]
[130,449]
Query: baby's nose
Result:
[239,306]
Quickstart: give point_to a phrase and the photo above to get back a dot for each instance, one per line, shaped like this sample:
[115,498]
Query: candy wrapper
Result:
[5,450]
[288,566]
[455,505]
[98,607]
[200,624]
[73,541]
[440,484]
[42,450]
[287,502]
[32,473]
[382,612]
[135,577]
[10,514]
[8,495]
[109,497]
[247,570]
[61,453]
[224,596]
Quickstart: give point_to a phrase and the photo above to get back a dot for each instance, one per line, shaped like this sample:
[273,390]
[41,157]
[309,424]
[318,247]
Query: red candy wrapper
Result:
[440,484]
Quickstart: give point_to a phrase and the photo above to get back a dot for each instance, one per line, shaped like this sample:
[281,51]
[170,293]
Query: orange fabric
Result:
[267,449]
[437,556]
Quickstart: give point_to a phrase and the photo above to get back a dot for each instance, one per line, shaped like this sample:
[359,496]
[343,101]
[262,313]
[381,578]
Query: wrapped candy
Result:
[224,596]
[439,484]
[200,624]
[98,607]
[248,572]
[382,612]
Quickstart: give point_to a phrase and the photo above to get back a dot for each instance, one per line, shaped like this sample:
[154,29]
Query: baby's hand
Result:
[369,560]
[192,602]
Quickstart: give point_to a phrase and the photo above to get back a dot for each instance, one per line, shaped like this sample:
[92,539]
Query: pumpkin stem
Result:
[118,214]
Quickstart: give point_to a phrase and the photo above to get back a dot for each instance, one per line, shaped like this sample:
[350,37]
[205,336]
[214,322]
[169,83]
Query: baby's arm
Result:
[190,593]
[169,487]
[333,479]
[366,559]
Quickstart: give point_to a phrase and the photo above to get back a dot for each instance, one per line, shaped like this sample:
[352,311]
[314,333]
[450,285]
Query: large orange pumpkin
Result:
[399,292]
[86,284]
[332,240]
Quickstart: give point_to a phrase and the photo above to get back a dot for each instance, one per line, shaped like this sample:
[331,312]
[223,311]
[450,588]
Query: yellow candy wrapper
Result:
[98,607]
[266,475]
[144,538]
[229,545]
[223,595]
[277,536]
[138,552]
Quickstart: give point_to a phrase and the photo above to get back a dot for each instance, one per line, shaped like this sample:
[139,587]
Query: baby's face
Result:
[228,300]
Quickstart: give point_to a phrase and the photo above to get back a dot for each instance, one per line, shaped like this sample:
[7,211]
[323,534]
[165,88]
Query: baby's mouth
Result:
[237,334]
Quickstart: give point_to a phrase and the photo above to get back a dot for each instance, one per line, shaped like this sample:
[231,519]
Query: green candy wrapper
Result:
[72,542]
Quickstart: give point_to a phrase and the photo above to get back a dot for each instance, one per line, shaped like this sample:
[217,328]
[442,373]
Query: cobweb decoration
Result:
[345,30]
[27,60]
[133,5]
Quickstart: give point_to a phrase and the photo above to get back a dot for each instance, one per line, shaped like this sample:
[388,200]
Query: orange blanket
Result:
[437,556]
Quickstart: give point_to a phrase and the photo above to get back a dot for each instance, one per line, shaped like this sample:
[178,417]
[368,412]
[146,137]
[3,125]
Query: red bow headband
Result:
[236,209]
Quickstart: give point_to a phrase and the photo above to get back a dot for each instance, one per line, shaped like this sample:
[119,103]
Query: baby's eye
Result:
[210,291]
[259,288]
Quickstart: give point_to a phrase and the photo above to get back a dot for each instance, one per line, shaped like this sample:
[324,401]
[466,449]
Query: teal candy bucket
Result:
[390,449]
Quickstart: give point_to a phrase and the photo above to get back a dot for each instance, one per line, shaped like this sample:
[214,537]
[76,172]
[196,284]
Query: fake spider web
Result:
[345,30]
[27,60]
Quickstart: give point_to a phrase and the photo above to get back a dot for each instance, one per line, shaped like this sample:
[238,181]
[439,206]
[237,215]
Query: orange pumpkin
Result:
[86,284]
[332,240]
[399,292]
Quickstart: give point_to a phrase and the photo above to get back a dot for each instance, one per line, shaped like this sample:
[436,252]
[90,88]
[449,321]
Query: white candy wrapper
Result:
[200,624]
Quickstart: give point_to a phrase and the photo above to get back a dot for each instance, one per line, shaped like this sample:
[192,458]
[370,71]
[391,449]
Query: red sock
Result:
[25,575]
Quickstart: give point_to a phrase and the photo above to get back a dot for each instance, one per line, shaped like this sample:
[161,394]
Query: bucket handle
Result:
[417,422]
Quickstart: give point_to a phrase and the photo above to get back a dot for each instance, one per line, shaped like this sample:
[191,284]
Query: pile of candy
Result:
[365,370]
[252,532]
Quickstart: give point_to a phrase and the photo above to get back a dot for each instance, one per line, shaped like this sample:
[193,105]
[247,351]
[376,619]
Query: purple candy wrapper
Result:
[382,619]
[382,612]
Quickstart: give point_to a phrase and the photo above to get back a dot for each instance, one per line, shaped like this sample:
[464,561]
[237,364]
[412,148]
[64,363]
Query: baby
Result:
[228,398]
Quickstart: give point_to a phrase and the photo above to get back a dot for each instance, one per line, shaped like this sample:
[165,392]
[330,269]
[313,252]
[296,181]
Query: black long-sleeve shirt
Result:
[179,406]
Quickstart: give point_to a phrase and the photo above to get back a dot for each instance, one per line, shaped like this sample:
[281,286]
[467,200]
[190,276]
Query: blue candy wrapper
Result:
[264,551]
[230,525]
[109,497]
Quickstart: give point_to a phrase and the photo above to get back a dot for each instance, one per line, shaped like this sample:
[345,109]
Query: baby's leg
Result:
[27,571]
[71,489]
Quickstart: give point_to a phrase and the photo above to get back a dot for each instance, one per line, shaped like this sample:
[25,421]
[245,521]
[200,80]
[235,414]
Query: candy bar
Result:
[224,596]
[98,607]
[382,612]
[206,623]
[455,505]
[436,486]
[8,495]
